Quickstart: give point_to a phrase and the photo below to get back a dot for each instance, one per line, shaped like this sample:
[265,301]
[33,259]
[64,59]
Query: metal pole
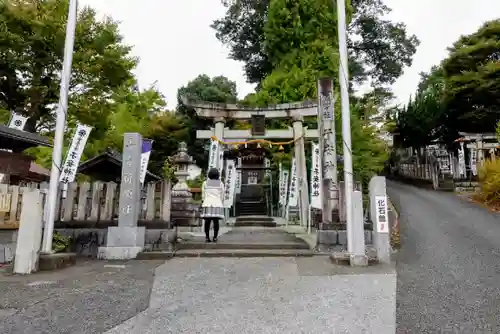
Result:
[60,126]
[346,120]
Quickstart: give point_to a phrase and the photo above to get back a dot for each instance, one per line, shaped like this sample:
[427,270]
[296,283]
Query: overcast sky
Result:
[175,43]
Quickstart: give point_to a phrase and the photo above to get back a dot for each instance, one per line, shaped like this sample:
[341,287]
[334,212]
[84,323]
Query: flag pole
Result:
[52,196]
[346,119]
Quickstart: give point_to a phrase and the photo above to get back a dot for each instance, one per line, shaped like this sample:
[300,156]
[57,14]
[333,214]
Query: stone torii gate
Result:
[295,111]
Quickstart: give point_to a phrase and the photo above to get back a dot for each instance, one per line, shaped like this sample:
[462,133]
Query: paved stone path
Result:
[449,264]
[223,295]
[266,295]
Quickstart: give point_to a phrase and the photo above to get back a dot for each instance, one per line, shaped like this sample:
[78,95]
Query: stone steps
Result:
[247,245]
[254,221]
[236,253]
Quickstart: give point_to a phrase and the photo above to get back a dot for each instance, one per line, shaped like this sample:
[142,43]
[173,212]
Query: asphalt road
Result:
[449,265]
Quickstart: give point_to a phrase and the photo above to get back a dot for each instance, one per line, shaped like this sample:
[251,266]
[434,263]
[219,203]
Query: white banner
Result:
[74,155]
[17,122]
[147,146]
[229,184]
[221,158]
[293,198]
[284,187]
[382,216]
[213,155]
[238,177]
[316,178]
[473,161]
[461,160]
[267,164]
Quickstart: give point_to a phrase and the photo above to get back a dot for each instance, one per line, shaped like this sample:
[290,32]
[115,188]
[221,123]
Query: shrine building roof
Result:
[108,167]
[18,141]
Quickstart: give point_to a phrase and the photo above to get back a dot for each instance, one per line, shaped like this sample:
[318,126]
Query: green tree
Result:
[378,50]
[471,73]
[203,88]
[32,37]
[460,94]
[167,130]
[302,42]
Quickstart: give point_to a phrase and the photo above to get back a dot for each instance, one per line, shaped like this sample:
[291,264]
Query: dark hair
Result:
[213,174]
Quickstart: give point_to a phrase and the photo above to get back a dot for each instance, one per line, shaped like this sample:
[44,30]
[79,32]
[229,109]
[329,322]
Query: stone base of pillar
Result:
[123,243]
[358,260]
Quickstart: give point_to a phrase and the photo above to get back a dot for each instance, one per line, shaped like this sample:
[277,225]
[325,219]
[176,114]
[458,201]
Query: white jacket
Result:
[212,193]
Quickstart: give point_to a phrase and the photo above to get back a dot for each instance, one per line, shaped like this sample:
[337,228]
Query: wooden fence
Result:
[87,203]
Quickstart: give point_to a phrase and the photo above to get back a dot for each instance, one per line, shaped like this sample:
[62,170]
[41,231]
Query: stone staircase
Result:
[254,221]
[250,208]
[249,237]
[251,201]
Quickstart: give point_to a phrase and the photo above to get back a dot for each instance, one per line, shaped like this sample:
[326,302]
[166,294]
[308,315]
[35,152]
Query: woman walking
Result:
[212,192]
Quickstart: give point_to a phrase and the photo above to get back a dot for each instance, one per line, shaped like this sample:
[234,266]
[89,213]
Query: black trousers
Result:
[207,227]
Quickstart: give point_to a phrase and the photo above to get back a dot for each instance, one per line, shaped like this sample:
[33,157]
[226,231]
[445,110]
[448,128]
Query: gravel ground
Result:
[449,264]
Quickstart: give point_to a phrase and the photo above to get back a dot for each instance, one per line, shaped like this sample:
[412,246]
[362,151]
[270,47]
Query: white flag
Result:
[267,164]
[17,122]
[78,143]
[293,198]
[461,160]
[238,177]
[284,188]
[316,178]
[212,155]
[147,146]
[229,184]
[473,161]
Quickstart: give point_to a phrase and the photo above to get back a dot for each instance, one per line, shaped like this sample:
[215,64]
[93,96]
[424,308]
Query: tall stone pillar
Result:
[126,240]
[300,158]
[328,149]
[220,122]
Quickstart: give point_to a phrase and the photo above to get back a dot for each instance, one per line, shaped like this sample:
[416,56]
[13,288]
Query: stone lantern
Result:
[184,211]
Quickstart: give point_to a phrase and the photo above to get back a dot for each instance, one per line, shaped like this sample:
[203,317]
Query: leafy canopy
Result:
[379,49]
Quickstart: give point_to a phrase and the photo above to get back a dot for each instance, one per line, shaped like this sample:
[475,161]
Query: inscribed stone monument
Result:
[126,240]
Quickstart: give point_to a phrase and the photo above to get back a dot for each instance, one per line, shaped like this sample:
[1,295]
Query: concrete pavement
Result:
[449,263]
[267,295]
[193,295]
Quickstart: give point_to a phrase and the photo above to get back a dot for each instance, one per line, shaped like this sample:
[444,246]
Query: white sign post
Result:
[316,178]
[229,184]
[382,216]
[74,155]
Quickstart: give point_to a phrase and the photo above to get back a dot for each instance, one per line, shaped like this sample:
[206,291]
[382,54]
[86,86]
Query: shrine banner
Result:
[267,164]
[293,198]
[213,155]
[75,152]
[238,177]
[461,160]
[473,161]
[316,178]
[283,183]
[17,122]
[229,184]
[147,146]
